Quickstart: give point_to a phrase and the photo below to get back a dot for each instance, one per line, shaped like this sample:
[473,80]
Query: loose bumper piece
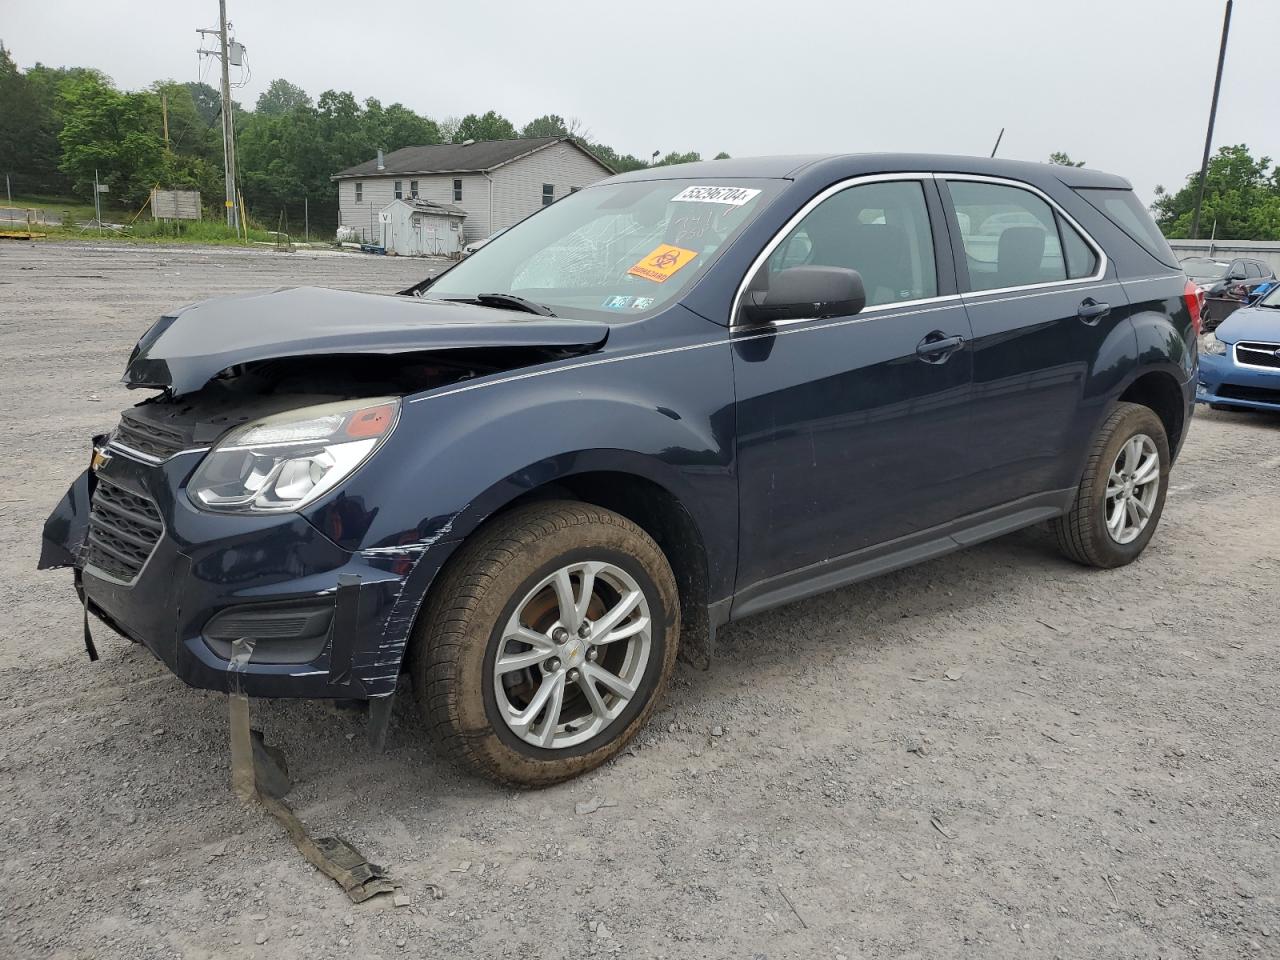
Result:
[259,773]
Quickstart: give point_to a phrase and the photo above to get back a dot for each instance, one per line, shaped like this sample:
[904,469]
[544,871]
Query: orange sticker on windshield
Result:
[660,263]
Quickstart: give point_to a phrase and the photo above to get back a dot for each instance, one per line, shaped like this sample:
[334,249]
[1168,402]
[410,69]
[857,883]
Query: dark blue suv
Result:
[672,399]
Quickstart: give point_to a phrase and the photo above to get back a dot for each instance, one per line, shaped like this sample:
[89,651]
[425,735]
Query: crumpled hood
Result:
[187,348]
[1250,323]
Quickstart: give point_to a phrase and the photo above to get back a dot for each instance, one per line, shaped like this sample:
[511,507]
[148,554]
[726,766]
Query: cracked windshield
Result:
[617,251]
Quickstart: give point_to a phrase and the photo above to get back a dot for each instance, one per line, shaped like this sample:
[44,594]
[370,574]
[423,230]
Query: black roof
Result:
[473,157]
[857,164]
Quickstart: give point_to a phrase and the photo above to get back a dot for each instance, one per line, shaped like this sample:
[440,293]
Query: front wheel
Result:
[547,643]
[1121,495]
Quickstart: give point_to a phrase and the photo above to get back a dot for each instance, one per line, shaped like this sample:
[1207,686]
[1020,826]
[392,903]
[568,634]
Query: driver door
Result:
[853,431]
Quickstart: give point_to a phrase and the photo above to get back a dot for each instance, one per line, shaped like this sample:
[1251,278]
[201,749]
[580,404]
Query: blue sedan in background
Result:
[1240,360]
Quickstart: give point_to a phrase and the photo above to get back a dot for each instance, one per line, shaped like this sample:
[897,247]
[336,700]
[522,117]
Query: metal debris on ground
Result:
[793,907]
[942,828]
[592,805]
[259,772]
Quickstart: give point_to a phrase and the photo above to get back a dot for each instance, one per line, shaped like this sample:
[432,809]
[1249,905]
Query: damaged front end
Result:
[209,514]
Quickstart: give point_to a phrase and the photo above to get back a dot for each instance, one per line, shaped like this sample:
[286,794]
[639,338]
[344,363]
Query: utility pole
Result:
[228,128]
[164,113]
[1213,113]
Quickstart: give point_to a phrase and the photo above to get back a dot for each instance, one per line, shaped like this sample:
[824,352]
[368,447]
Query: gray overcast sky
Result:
[1121,84]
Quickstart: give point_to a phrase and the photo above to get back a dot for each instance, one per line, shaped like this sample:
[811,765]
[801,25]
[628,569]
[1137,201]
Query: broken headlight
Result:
[285,461]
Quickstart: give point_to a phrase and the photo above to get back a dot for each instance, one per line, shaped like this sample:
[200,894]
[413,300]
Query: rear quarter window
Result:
[1123,209]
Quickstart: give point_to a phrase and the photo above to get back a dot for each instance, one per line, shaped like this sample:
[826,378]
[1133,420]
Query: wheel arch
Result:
[1162,394]
[646,493]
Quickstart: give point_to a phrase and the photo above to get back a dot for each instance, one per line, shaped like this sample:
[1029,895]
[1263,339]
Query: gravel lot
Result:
[996,754]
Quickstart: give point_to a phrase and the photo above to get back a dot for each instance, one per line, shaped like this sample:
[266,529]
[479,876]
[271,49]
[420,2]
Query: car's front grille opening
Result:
[123,531]
[146,436]
[1258,354]
[1230,391]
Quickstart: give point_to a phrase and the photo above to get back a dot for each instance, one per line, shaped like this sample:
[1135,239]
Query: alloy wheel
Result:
[1132,488]
[573,654]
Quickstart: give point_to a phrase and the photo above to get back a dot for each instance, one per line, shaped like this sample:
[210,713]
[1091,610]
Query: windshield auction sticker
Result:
[661,263]
[733,196]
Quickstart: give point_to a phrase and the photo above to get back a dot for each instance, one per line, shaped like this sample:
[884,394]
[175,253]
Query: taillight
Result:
[1195,304]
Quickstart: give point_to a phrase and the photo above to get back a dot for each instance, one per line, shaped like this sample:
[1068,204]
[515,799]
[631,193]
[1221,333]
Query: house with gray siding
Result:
[497,182]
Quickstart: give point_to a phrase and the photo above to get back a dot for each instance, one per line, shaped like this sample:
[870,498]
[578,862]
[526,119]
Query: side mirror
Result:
[1238,275]
[805,293]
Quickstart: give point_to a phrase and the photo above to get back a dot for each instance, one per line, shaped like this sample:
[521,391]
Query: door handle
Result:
[936,347]
[1091,311]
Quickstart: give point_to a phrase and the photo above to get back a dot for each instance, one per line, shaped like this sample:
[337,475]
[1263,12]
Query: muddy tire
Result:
[546,643]
[1121,495]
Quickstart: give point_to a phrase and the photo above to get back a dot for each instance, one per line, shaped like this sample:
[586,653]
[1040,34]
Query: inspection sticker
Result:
[617,303]
[733,196]
[660,263]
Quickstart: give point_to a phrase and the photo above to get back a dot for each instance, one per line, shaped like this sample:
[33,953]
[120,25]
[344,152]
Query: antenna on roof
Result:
[998,139]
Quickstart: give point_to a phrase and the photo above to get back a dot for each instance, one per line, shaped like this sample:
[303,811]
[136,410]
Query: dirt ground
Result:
[996,754]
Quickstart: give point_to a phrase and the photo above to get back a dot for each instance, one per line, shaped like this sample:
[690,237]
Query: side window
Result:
[1081,260]
[879,229]
[1253,269]
[359,192]
[457,190]
[399,191]
[548,194]
[413,189]
[1010,236]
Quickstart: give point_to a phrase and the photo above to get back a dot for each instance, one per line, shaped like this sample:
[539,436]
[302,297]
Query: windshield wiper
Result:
[509,301]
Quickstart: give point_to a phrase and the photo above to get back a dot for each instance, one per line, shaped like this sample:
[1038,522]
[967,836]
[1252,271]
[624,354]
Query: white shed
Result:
[420,228]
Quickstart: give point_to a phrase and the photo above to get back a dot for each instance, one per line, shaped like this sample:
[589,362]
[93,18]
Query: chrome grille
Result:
[123,531]
[145,436]
[1255,354]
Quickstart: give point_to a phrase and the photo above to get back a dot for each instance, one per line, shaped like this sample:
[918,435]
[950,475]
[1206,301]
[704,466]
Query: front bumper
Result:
[202,565]
[1223,381]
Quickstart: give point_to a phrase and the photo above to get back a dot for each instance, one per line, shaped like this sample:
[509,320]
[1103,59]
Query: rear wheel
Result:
[1121,495]
[547,643]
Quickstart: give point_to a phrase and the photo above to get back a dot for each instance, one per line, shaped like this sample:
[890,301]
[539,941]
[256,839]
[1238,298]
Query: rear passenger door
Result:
[1044,306]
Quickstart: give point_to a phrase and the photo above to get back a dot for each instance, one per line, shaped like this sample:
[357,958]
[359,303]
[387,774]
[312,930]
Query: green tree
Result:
[489,126]
[207,100]
[1062,160]
[117,134]
[397,126]
[281,97]
[29,125]
[620,163]
[1242,197]
[673,157]
[18,113]
[721,156]
[550,125]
